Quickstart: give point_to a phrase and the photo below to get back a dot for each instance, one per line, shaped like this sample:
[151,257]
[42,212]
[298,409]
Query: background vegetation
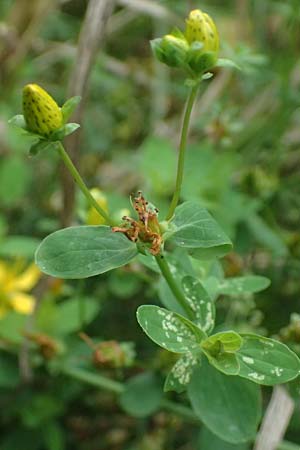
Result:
[243,165]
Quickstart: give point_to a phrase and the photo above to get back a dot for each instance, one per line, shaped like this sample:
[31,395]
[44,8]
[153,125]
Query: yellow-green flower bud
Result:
[93,217]
[201,28]
[171,50]
[42,114]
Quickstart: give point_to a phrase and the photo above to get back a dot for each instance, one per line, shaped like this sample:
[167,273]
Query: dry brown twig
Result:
[92,31]
[276,420]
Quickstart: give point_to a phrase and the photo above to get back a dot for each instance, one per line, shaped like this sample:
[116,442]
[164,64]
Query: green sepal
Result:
[41,145]
[69,107]
[64,131]
[225,62]
[19,123]
[201,62]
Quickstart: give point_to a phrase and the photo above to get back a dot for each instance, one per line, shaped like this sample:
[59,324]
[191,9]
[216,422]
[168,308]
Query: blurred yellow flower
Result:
[15,283]
[93,217]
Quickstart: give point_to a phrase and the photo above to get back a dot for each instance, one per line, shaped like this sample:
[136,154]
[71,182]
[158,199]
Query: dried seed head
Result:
[42,114]
[201,28]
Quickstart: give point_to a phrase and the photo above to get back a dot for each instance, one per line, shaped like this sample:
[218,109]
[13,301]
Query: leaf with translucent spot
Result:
[195,229]
[242,285]
[267,361]
[170,330]
[200,302]
[181,373]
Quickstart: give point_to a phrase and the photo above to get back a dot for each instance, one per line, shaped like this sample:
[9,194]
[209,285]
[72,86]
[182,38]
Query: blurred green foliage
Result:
[243,165]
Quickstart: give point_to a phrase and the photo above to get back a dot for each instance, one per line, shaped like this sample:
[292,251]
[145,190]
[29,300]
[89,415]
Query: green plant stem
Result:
[81,184]
[182,150]
[107,384]
[166,272]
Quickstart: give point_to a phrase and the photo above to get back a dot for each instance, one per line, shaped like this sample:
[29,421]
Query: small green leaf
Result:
[181,373]
[169,330]
[19,122]
[194,228]
[267,361]
[220,350]
[227,341]
[81,252]
[228,406]
[225,362]
[142,395]
[240,285]
[64,131]
[69,107]
[200,302]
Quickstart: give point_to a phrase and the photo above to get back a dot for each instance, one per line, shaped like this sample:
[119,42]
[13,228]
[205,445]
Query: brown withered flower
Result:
[146,229]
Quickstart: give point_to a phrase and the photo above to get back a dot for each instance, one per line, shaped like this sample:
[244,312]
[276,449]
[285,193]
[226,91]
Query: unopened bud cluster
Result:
[196,50]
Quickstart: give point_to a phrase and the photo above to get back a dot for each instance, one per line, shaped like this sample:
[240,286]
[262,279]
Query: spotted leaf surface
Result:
[85,251]
[170,330]
[200,302]
[195,229]
[42,114]
[181,373]
[242,285]
[267,361]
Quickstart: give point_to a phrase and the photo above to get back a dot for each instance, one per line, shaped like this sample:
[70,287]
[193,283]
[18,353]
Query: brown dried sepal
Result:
[146,229]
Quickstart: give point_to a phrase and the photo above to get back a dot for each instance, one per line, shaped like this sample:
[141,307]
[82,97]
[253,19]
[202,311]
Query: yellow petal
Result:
[27,280]
[22,303]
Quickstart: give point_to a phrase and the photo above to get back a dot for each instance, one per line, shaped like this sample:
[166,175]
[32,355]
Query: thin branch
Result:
[276,420]
[151,8]
[92,31]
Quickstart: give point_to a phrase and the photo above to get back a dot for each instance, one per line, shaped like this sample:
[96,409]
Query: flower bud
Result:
[41,112]
[171,50]
[93,217]
[201,28]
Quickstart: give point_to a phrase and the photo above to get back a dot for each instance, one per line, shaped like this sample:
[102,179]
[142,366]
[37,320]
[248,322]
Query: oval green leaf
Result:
[195,229]
[243,285]
[267,361]
[170,330]
[200,302]
[82,252]
[142,395]
[228,406]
